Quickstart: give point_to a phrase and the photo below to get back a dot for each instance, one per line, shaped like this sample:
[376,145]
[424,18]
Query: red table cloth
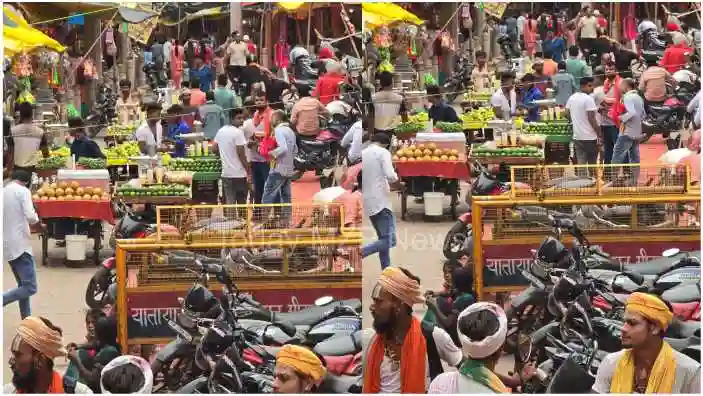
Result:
[443,169]
[76,209]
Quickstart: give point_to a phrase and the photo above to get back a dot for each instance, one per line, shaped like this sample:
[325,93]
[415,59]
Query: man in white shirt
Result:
[504,100]
[237,53]
[18,215]
[231,147]
[377,172]
[150,133]
[582,110]
[353,140]
[588,26]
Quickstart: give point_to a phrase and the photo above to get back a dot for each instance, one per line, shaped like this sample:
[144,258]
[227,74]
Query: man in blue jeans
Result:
[377,177]
[18,215]
[277,189]
[628,143]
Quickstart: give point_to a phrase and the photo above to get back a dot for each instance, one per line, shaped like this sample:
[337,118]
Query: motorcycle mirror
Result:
[671,252]
[324,300]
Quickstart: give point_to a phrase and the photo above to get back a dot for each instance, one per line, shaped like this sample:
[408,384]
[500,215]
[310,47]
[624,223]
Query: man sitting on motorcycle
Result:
[648,365]
[676,57]
[653,82]
[298,370]
[328,86]
[305,116]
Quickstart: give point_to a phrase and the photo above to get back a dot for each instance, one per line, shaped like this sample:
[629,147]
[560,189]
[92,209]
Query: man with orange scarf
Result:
[255,130]
[403,354]
[608,99]
[648,364]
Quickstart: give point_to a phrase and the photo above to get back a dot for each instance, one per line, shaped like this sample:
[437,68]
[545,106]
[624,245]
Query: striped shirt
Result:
[386,108]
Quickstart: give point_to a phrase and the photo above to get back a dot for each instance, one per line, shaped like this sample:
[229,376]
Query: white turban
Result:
[489,345]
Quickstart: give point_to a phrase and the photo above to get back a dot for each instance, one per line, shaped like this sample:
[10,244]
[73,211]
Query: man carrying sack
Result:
[648,364]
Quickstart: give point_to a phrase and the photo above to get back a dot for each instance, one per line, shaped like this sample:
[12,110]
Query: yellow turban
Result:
[302,360]
[650,307]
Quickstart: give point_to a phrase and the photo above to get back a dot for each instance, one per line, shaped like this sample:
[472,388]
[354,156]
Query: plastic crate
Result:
[205,188]
[556,153]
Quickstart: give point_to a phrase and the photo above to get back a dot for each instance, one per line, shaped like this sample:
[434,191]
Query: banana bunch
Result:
[385,66]
[123,151]
[121,130]
[479,115]
[419,117]
[63,151]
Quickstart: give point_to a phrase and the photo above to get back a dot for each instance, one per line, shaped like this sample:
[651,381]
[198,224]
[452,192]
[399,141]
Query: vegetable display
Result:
[70,192]
[426,152]
[123,151]
[525,151]
[481,114]
[416,123]
[449,126]
[92,163]
[121,130]
[154,190]
[52,163]
[63,151]
[549,129]
[200,164]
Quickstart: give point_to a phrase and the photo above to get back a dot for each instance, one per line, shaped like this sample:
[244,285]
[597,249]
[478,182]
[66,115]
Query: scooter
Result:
[460,81]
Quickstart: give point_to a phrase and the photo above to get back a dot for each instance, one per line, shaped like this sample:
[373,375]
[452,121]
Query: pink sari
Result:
[177,59]
[530,36]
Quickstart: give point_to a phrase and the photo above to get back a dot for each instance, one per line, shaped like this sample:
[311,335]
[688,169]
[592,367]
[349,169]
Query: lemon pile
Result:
[425,152]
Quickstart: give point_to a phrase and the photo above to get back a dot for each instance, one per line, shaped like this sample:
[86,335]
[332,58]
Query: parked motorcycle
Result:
[460,80]
[103,112]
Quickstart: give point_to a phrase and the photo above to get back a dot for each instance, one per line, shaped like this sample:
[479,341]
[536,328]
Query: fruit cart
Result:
[475,124]
[505,154]
[119,164]
[434,163]
[73,207]
[557,137]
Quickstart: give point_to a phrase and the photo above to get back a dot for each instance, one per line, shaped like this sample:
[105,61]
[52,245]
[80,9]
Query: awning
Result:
[18,36]
[378,14]
[128,11]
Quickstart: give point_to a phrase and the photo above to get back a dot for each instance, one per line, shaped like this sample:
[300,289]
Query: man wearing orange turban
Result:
[298,370]
[648,364]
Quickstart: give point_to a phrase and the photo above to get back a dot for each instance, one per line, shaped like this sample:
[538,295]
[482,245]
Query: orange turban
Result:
[302,360]
[651,307]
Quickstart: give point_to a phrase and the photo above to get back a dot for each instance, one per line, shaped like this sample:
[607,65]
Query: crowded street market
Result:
[190,190]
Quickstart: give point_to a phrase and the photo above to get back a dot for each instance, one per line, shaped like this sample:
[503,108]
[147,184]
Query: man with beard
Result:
[647,364]
[37,343]
[298,370]
[254,131]
[403,354]
[608,99]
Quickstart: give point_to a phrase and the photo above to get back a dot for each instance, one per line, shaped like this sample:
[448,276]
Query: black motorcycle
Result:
[103,112]
[460,81]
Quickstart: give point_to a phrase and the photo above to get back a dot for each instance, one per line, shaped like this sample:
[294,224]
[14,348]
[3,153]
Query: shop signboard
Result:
[149,311]
[496,9]
[504,263]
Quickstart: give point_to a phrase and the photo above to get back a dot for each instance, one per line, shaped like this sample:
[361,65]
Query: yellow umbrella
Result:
[290,5]
[19,36]
[376,14]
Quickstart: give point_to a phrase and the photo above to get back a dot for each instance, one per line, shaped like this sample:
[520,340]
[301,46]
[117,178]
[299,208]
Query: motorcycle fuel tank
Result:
[338,326]
[684,275]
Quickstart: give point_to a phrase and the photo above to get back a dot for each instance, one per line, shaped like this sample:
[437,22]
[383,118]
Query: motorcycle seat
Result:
[314,314]
[338,364]
[340,346]
[684,329]
[312,144]
[656,266]
[683,294]
[339,384]
[680,344]
[659,109]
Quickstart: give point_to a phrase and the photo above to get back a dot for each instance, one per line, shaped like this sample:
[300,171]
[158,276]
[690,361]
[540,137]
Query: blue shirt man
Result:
[533,93]
[202,72]
[440,111]
[177,127]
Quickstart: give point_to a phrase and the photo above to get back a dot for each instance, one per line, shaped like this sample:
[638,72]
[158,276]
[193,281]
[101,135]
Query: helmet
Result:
[298,52]
[199,303]
[552,252]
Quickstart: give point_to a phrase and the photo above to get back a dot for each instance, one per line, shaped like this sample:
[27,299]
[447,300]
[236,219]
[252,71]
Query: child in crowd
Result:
[444,306]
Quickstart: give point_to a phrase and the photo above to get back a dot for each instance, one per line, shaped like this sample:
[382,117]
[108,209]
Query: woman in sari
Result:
[176,62]
[482,329]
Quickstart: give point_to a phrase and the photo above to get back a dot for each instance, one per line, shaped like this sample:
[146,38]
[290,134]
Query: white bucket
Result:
[434,203]
[75,247]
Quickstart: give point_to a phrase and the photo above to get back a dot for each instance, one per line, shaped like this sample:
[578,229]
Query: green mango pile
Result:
[549,129]
[450,126]
[92,163]
[526,151]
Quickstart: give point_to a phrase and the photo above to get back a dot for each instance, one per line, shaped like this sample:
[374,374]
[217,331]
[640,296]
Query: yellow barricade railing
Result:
[631,228]
[541,181]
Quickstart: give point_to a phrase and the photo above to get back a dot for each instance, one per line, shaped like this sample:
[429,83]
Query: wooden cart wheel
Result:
[404,203]
[44,248]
